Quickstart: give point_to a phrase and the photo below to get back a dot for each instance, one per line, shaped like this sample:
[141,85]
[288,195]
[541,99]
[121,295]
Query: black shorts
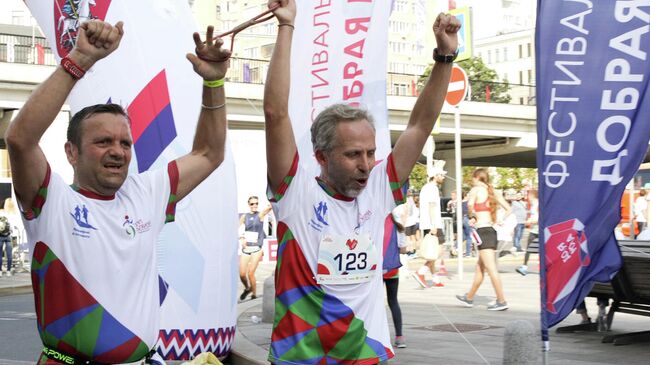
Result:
[411,230]
[488,238]
[441,236]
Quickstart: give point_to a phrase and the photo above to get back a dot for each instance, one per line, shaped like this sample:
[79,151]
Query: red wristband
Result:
[72,68]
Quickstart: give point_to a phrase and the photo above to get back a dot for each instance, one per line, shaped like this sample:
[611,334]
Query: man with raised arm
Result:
[94,268]
[329,298]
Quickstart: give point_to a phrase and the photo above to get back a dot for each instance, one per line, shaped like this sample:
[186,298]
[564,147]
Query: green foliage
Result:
[418,177]
[480,76]
[515,178]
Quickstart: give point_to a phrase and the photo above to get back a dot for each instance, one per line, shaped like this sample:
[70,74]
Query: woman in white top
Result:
[482,206]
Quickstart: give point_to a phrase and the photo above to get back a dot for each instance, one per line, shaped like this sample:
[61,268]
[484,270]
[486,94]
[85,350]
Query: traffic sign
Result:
[458,86]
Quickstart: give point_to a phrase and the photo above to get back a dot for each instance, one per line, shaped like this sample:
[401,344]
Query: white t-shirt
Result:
[95,258]
[328,323]
[430,197]
[640,209]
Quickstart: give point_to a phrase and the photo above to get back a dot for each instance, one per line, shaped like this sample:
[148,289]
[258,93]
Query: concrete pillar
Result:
[268,299]
[521,344]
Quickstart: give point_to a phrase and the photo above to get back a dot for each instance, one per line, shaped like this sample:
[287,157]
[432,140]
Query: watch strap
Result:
[444,58]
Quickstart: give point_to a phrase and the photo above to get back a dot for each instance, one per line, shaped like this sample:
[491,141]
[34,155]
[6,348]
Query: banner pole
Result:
[459,193]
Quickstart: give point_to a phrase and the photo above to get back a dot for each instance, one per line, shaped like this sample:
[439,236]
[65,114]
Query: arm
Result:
[266,211]
[211,63]
[95,41]
[280,141]
[428,105]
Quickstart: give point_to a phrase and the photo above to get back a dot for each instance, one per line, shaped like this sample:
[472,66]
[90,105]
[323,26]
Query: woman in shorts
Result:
[482,206]
[251,246]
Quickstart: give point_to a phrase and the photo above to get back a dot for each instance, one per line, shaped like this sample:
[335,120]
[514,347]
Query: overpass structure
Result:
[492,134]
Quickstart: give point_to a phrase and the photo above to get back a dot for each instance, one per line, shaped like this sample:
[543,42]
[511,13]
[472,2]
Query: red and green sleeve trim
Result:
[393,180]
[284,185]
[170,212]
[39,201]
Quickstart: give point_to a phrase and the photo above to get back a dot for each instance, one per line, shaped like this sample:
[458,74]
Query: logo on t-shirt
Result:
[133,227]
[80,216]
[319,221]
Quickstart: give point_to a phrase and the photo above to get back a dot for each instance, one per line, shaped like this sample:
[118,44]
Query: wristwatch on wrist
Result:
[444,58]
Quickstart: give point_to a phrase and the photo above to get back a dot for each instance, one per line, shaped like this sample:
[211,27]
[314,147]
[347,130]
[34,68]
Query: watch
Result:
[444,58]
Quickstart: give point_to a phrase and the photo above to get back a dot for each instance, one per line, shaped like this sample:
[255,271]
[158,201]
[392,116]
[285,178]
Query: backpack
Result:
[5,226]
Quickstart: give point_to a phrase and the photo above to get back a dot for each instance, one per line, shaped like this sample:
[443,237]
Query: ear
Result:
[321,157]
[71,152]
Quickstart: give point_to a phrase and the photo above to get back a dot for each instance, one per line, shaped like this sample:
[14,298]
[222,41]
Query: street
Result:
[20,341]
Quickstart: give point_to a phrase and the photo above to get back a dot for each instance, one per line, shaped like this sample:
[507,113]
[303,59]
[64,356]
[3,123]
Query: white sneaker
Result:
[8,273]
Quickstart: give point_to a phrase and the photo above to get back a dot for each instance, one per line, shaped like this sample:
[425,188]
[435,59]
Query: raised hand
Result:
[286,13]
[96,39]
[211,61]
[445,29]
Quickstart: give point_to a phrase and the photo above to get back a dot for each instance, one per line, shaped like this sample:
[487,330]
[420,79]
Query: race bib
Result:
[346,260]
[250,236]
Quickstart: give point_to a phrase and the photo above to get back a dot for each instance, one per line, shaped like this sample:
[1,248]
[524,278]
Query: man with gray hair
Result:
[329,295]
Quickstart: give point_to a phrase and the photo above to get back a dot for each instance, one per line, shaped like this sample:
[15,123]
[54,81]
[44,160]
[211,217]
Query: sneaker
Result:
[442,271]
[438,284]
[463,298]
[498,306]
[244,294]
[420,279]
[586,321]
[522,270]
[9,273]
[400,343]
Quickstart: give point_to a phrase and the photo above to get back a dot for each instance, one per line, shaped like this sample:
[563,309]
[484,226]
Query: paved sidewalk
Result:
[18,283]
[440,330]
[431,317]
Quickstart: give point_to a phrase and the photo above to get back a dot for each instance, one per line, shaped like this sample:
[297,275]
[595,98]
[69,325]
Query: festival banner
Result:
[151,78]
[593,133]
[339,56]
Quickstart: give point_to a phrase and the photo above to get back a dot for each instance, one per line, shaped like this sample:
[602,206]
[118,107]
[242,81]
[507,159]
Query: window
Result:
[18,17]
[521,77]
[505,54]
[529,47]
[497,55]
[401,6]
[489,57]
[521,51]
[400,89]
[530,77]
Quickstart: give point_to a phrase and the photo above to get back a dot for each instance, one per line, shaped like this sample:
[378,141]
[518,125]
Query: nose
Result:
[117,151]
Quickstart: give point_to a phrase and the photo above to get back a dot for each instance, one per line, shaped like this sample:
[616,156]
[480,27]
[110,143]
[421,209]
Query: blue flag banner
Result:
[593,131]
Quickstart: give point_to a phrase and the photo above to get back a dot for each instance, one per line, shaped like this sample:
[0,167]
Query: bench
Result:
[629,291]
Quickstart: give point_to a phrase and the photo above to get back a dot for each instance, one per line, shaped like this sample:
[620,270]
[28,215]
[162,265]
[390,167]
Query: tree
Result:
[418,177]
[481,78]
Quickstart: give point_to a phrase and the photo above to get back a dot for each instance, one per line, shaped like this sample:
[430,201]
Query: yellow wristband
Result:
[214,83]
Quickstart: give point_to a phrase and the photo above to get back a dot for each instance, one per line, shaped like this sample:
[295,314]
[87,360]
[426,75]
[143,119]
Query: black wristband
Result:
[444,58]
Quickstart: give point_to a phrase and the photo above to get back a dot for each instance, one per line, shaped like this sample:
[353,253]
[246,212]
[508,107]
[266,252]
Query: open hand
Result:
[210,61]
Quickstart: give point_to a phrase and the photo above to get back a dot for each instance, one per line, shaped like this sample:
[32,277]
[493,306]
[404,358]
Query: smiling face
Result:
[101,161]
[346,167]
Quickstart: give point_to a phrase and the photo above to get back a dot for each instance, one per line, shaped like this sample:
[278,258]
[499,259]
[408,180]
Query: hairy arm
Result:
[208,150]
[280,141]
[429,104]
[95,41]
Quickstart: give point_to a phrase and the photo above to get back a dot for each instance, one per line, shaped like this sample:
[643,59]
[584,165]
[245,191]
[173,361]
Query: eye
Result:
[126,144]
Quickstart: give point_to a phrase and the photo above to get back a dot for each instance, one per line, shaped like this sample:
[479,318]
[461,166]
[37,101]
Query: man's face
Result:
[440,178]
[347,166]
[101,163]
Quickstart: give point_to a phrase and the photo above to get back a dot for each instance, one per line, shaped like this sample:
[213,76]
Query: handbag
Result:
[430,248]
